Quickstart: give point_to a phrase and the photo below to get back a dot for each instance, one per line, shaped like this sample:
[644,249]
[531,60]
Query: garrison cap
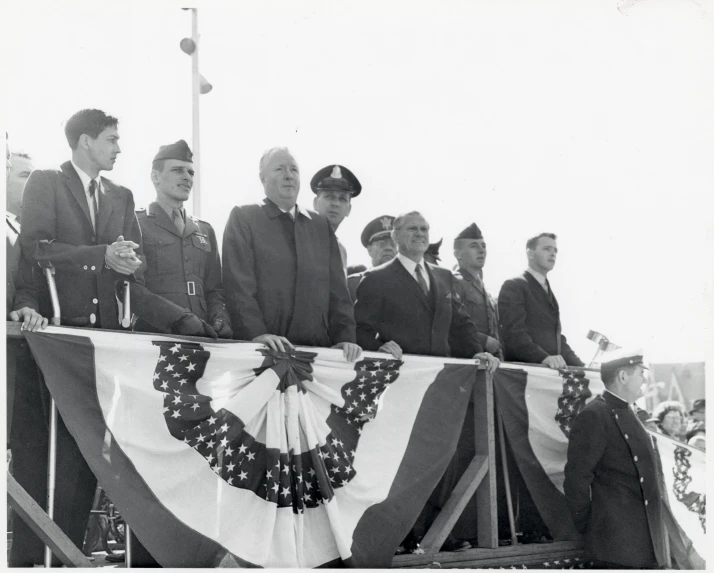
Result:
[470,232]
[699,405]
[433,249]
[179,150]
[620,359]
[377,229]
[335,178]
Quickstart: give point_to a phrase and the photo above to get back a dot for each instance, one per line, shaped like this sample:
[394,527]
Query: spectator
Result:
[696,436]
[670,417]
[377,239]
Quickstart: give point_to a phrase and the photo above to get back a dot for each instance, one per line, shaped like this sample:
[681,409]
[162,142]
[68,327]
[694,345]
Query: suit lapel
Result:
[408,281]
[536,287]
[191,227]
[162,219]
[107,201]
[74,184]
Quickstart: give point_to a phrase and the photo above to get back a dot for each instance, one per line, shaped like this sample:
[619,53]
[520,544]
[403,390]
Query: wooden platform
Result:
[556,555]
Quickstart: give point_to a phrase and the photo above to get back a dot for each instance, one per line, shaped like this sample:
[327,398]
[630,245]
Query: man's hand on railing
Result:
[31,319]
[392,348]
[189,324]
[555,362]
[274,342]
[492,363]
[351,351]
[120,256]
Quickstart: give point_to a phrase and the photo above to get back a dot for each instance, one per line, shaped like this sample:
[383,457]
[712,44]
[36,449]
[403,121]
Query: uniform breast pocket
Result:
[201,242]
[163,255]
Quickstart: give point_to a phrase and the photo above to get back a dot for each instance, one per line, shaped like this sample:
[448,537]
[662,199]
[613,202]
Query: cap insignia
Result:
[336,172]
[386,223]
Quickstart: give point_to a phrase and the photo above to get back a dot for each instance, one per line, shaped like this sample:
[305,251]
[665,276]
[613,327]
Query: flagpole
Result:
[195,95]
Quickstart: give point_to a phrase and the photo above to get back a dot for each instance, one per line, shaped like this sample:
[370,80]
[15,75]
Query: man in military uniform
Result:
[335,186]
[470,252]
[377,239]
[612,476]
[182,260]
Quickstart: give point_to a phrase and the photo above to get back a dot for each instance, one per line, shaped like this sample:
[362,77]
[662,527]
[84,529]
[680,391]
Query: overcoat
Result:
[612,485]
[285,277]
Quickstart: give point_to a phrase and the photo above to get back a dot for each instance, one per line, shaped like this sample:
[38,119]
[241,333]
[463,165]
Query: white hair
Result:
[266,157]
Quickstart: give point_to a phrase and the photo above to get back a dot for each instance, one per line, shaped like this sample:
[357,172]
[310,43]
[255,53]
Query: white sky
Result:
[523,116]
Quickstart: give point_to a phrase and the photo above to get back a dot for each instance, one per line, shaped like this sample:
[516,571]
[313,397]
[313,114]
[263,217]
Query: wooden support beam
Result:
[46,529]
[485,445]
[459,498]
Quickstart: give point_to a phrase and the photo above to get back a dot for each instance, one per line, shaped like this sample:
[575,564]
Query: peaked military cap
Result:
[433,249]
[621,358]
[179,150]
[470,232]
[335,178]
[377,229]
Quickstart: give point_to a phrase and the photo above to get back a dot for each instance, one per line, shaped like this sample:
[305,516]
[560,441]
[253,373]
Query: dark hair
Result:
[532,243]
[89,121]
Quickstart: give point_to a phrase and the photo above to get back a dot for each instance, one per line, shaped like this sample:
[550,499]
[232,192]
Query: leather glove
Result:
[191,325]
[222,328]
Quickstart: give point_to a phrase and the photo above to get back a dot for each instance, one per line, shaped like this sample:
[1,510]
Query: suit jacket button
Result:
[627,437]
[94,268]
[635,458]
[642,479]
[646,502]
[85,267]
[95,301]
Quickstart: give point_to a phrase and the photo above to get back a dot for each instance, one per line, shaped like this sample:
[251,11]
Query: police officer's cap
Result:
[617,359]
[336,178]
[179,150]
[699,405]
[433,249]
[470,232]
[377,229]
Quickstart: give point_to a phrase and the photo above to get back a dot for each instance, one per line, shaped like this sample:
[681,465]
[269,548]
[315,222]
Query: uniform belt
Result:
[166,284]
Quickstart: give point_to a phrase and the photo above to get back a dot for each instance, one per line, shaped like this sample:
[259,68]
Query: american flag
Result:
[298,480]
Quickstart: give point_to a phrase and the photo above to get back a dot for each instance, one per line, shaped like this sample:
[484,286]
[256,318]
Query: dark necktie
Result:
[421,280]
[93,201]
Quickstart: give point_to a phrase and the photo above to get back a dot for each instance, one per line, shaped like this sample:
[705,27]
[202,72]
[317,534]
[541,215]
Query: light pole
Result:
[198,86]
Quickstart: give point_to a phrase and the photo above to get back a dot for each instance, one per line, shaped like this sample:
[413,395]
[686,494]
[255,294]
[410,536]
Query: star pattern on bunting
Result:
[576,391]
[299,481]
[694,501]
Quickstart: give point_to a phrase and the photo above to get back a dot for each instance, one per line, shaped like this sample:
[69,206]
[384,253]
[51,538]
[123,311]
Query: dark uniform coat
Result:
[530,322]
[57,229]
[352,283]
[285,277]
[479,304]
[184,268]
[391,306]
[12,260]
[612,485]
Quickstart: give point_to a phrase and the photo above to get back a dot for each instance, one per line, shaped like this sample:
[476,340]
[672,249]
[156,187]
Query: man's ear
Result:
[349,209]
[314,203]
[154,176]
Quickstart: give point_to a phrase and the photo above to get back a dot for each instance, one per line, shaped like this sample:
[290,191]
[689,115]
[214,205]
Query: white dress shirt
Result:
[292,212]
[86,179]
[410,265]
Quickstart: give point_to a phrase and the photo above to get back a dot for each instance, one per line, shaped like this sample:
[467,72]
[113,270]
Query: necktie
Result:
[93,202]
[178,220]
[421,280]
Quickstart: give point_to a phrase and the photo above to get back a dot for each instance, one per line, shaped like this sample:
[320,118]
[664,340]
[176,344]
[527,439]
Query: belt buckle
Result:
[191,288]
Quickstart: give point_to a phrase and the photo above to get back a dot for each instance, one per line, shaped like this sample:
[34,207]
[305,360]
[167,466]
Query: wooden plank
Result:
[459,498]
[46,529]
[485,445]
[499,556]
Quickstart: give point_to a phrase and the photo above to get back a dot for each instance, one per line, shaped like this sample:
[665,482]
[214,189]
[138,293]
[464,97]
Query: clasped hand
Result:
[120,256]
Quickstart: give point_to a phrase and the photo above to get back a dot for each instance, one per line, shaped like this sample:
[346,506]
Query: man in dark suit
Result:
[612,476]
[377,239]
[182,260]
[409,305]
[84,226]
[529,313]
[282,272]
